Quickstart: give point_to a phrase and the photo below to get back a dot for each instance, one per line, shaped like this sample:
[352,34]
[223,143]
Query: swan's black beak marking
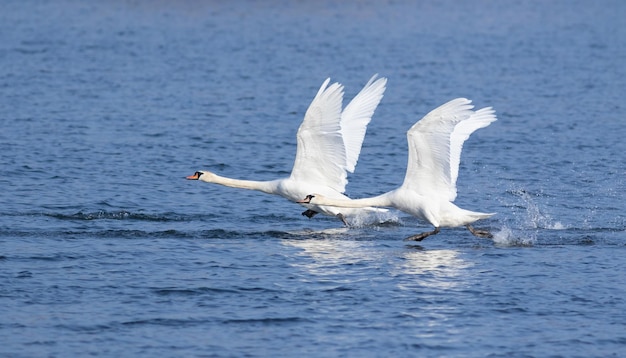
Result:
[306,200]
[195,176]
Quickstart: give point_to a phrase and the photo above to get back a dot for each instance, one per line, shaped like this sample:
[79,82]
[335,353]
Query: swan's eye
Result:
[198,174]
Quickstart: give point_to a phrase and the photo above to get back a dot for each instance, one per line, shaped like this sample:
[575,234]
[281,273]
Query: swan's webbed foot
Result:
[309,213]
[479,233]
[343,219]
[422,236]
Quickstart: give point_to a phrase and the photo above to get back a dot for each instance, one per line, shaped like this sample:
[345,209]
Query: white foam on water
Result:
[509,237]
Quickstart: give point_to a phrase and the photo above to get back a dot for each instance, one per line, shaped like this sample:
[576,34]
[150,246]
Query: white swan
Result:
[329,144]
[429,187]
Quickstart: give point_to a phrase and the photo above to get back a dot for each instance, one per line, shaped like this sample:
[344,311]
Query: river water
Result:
[105,249]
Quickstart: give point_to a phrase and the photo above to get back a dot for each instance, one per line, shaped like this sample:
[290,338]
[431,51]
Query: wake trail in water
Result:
[530,225]
[378,218]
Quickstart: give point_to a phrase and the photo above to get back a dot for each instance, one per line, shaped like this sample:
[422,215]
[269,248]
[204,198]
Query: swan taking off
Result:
[429,188]
[329,144]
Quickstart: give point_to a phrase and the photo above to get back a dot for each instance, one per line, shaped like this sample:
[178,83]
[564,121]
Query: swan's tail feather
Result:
[484,215]
[467,217]
[479,216]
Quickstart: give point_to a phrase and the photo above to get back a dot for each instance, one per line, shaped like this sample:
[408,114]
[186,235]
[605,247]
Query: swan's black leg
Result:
[309,213]
[422,236]
[342,218]
[480,233]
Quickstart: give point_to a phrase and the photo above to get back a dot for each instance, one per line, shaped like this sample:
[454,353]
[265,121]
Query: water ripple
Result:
[118,215]
[267,320]
[106,251]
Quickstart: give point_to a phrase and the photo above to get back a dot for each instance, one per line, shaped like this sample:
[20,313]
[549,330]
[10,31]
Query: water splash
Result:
[528,220]
[374,218]
[509,237]
[535,218]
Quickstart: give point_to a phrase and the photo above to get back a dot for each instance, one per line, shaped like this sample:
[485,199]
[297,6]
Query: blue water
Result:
[106,250]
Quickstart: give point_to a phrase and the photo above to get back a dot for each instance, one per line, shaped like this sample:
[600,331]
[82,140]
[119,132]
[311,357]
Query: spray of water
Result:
[374,218]
[528,219]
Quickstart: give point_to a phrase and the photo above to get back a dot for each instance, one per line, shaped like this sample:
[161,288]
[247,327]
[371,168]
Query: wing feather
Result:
[357,115]
[320,155]
[435,145]
[429,163]
[479,119]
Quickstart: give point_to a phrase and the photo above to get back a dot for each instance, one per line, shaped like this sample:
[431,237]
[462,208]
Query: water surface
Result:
[106,250]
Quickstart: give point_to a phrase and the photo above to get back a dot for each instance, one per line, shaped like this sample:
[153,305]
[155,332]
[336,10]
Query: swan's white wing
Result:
[480,119]
[357,115]
[320,157]
[428,169]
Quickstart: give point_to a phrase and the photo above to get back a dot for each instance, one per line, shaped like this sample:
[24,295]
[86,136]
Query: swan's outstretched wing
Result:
[479,119]
[321,156]
[428,169]
[357,115]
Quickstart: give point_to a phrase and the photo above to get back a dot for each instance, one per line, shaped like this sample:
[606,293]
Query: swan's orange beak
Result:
[195,176]
[306,200]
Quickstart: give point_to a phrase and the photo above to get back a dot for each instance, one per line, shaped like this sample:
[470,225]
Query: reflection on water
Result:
[441,269]
[108,104]
[433,268]
[330,257]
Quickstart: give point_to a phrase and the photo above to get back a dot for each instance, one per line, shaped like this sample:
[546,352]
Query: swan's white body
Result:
[329,143]
[429,187]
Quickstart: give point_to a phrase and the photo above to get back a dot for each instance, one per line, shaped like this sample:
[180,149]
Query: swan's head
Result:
[310,199]
[201,175]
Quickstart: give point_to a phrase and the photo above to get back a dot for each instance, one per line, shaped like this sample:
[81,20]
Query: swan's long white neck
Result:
[381,200]
[264,186]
